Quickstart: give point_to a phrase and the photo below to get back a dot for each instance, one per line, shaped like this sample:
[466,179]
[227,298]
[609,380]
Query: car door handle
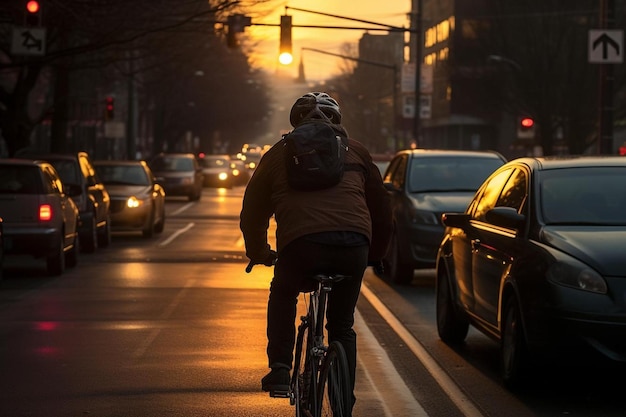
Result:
[475,244]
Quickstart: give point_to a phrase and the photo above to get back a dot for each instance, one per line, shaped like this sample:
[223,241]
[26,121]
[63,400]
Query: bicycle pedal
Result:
[279,393]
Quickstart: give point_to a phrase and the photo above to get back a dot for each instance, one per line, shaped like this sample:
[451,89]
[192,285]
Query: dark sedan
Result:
[424,183]
[180,173]
[537,262]
[137,201]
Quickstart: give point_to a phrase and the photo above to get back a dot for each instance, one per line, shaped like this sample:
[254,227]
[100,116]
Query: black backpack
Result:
[315,155]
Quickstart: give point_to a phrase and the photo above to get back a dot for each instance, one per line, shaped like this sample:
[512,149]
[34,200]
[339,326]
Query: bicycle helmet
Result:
[315,105]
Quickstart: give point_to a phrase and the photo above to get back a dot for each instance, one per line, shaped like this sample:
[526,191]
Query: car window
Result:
[20,179]
[397,172]
[53,183]
[166,163]
[214,162]
[583,196]
[450,173]
[88,170]
[514,192]
[489,194]
[67,170]
[123,174]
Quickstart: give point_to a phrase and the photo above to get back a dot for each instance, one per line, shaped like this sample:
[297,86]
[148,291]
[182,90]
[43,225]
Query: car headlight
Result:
[424,217]
[222,176]
[577,275]
[134,202]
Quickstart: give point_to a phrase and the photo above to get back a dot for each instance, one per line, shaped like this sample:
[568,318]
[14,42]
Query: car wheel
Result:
[396,271]
[451,326]
[55,262]
[71,257]
[90,242]
[104,234]
[148,230]
[513,353]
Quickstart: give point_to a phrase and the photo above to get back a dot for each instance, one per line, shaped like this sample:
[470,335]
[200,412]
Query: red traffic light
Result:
[527,122]
[32,6]
[109,104]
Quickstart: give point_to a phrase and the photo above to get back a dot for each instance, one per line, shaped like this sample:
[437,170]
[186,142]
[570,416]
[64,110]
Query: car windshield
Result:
[122,175]
[172,164]
[214,162]
[594,195]
[450,173]
[68,171]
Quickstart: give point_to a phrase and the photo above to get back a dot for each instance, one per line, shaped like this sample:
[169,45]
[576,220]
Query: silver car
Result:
[39,217]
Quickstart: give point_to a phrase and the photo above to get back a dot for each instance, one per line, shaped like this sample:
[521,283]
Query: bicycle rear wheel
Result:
[334,394]
[305,372]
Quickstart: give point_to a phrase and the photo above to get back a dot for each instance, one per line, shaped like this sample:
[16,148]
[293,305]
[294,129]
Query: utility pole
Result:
[417,33]
[605,134]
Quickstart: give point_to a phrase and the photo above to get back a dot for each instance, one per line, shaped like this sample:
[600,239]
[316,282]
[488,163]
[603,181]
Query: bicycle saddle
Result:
[326,278]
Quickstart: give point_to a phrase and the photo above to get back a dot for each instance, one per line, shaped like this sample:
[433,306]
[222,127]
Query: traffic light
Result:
[526,128]
[236,24]
[231,35]
[109,108]
[33,13]
[285,56]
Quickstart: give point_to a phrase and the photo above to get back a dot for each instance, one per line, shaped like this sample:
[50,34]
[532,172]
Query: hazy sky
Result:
[318,66]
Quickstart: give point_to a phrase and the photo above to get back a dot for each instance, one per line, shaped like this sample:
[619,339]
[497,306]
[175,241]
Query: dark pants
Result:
[296,263]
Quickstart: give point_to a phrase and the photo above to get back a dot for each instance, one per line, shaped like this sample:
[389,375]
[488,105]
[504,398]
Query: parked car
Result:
[537,263]
[39,218]
[180,173]
[93,201]
[137,200]
[423,184]
[217,171]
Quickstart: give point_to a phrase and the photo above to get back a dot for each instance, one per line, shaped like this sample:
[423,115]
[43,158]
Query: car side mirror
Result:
[505,217]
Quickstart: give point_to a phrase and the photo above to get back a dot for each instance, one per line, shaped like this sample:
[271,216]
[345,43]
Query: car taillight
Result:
[45,212]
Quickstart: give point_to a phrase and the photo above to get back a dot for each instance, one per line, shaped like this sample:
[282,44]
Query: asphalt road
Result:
[173,326]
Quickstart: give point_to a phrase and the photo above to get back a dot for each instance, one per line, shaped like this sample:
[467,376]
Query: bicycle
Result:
[320,381]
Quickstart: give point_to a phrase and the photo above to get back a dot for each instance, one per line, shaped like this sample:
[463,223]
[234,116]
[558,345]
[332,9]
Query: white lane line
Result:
[176,234]
[384,374]
[183,208]
[445,382]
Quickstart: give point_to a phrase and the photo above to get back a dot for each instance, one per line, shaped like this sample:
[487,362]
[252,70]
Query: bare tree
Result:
[158,44]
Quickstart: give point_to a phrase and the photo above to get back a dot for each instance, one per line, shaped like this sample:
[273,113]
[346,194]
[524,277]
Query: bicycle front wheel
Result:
[334,393]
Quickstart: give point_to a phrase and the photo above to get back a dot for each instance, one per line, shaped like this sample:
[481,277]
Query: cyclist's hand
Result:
[269,260]
[378,267]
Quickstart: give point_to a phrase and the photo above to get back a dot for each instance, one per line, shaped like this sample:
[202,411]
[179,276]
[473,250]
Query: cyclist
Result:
[336,230]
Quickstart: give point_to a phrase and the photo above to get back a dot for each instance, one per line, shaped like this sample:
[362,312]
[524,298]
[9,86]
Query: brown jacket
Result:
[359,203]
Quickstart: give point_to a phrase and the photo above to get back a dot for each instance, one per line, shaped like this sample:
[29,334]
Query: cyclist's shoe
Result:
[277,382]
